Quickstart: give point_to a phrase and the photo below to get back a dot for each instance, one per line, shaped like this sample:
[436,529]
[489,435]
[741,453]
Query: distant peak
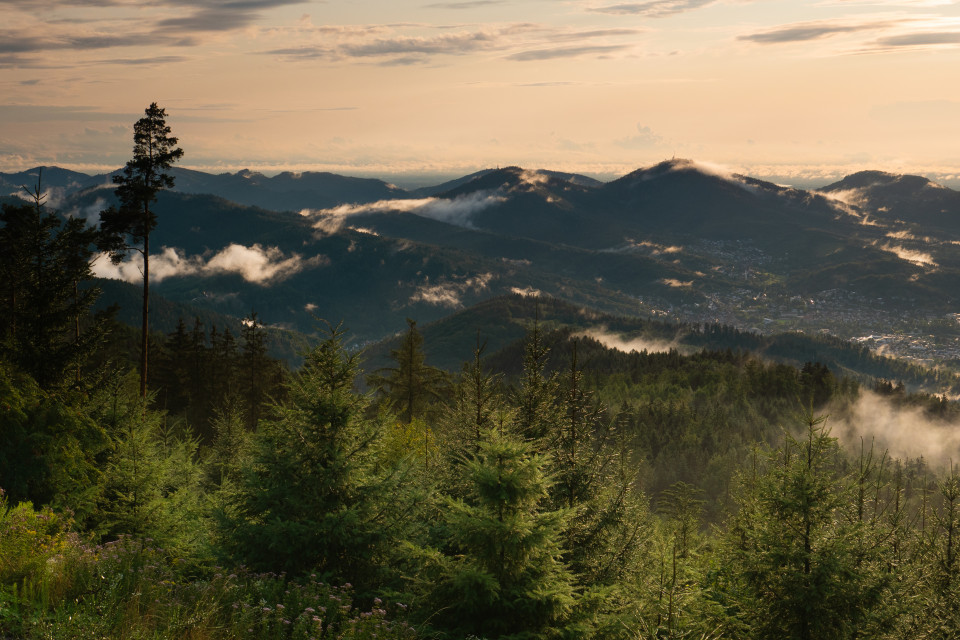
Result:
[873,178]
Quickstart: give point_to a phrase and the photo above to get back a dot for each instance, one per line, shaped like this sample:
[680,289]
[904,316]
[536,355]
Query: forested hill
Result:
[501,323]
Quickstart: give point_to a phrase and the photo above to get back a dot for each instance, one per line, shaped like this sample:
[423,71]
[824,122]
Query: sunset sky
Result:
[796,90]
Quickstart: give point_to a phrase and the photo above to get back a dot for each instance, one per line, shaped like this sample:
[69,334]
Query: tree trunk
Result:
[146,314]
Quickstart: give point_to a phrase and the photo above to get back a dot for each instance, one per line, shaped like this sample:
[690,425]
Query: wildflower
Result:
[309,610]
[279,607]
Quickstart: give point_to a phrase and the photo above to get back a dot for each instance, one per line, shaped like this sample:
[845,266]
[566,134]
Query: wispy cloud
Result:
[904,432]
[805,31]
[35,29]
[467,4]
[565,52]
[458,211]
[413,44]
[653,8]
[625,344]
[919,39]
[918,258]
[645,138]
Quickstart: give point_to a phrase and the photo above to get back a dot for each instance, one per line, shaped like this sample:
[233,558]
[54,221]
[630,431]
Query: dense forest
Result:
[553,489]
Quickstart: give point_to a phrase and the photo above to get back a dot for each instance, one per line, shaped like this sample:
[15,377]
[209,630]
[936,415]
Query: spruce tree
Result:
[538,395]
[128,226]
[44,276]
[507,579]
[313,497]
[412,385]
[792,556]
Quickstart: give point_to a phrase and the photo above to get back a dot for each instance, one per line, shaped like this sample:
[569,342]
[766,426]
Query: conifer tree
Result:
[793,558]
[128,226]
[475,403]
[939,613]
[537,398]
[152,482]
[508,579]
[606,528]
[412,385]
[312,498]
[44,263]
[256,368]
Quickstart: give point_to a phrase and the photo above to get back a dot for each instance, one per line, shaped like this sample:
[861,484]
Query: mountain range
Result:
[872,256]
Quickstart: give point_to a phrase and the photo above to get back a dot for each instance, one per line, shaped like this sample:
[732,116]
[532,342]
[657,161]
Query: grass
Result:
[56,586]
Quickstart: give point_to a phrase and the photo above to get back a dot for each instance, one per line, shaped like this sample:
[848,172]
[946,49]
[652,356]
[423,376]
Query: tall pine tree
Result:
[128,226]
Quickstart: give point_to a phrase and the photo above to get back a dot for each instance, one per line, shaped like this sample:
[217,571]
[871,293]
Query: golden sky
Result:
[799,89]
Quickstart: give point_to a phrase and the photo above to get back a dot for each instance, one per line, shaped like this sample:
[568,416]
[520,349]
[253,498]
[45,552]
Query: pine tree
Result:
[412,385]
[128,226]
[793,559]
[257,369]
[475,403]
[152,482]
[538,394]
[313,498]
[508,579]
[44,268]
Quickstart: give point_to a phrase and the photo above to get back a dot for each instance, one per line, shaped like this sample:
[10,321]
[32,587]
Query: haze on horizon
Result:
[806,90]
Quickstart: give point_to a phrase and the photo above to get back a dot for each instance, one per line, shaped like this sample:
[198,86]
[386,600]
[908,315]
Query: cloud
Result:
[565,52]
[615,341]
[458,211]
[904,432]
[677,284]
[90,213]
[413,44]
[448,44]
[806,31]
[653,8]
[912,256]
[40,29]
[566,36]
[645,138]
[919,39]
[45,113]
[469,4]
[527,292]
[448,293]
[254,264]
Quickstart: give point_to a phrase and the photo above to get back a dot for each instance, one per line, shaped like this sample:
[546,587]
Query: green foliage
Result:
[195,376]
[507,579]
[152,478]
[796,568]
[412,385]
[312,498]
[132,589]
[29,539]
[48,450]
[44,276]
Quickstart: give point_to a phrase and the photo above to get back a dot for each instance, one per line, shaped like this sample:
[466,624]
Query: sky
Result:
[800,91]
